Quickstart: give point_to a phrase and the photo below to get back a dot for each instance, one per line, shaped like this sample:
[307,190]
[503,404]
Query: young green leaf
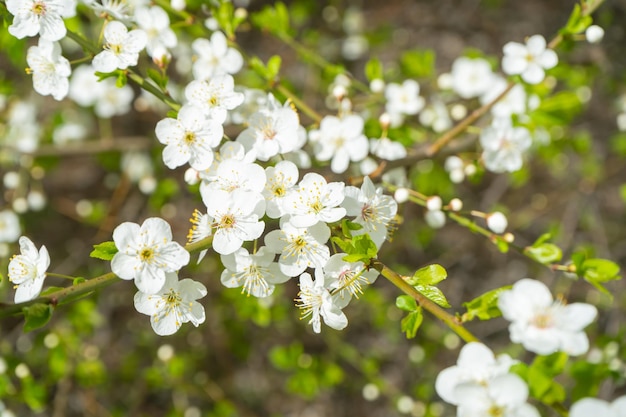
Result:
[411,323]
[36,316]
[406,303]
[104,251]
[544,253]
[434,294]
[374,69]
[485,306]
[428,275]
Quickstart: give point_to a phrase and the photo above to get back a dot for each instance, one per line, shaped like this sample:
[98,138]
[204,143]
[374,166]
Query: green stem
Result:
[55,275]
[451,321]
[152,89]
[84,43]
[299,103]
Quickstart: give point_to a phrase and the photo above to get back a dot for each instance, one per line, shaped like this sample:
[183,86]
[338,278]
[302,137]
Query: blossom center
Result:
[317,206]
[495,411]
[189,138]
[173,299]
[146,254]
[227,221]
[39,8]
[543,320]
[279,191]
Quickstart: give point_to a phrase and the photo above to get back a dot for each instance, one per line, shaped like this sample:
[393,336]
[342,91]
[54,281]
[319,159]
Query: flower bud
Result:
[401,195]
[377,85]
[433,203]
[594,34]
[456,204]
[496,222]
[435,219]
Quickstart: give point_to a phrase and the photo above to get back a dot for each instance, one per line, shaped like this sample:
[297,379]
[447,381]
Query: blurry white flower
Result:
[215,57]
[503,147]
[28,270]
[155,23]
[403,99]
[529,60]
[514,102]
[542,325]
[10,229]
[40,17]
[496,222]
[175,304]
[588,407]
[50,70]
[471,77]
[388,149]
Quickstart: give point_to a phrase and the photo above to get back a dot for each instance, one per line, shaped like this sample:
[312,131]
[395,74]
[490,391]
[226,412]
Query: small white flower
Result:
[257,273]
[388,149]
[190,138]
[471,77]
[10,229]
[236,218]
[346,279]
[39,17]
[594,34]
[155,22]
[272,130]
[50,70]
[316,302]
[299,247]
[589,407]
[530,60]
[215,57]
[542,325]
[28,270]
[341,140]
[281,181]
[314,201]
[147,253]
[173,305]
[504,396]
[403,99]
[121,49]
[214,96]
[504,147]
[477,364]
[373,210]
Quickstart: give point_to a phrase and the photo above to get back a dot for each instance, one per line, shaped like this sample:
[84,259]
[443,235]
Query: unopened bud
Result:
[339,92]
[433,203]
[456,204]
[594,34]
[401,195]
[435,219]
[377,85]
[384,120]
[496,222]
[508,237]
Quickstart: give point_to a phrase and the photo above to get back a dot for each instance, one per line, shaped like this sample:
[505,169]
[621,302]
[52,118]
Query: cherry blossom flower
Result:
[514,102]
[272,130]
[189,138]
[471,77]
[316,302]
[496,222]
[346,279]
[341,140]
[214,57]
[28,270]
[234,174]
[214,96]
[121,49]
[155,22]
[542,325]
[175,304]
[281,181]
[314,201]
[10,229]
[373,210]
[40,17]
[476,364]
[504,146]
[121,10]
[403,99]
[236,218]
[256,273]
[587,407]
[50,70]
[299,247]
[504,396]
[529,60]
[388,149]
[147,253]
[109,101]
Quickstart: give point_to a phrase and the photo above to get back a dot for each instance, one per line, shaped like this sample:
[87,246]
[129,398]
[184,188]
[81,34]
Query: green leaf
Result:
[78,280]
[36,316]
[600,270]
[104,251]
[121,80]
[576,23]
[374,69]
[544,253]
[411,323]
[418,63]
[406,303]
[273,19]
[429,275]
[434,294]
[541,374]
[225,17]
[347,227]
[485,306]
[159,78]
[273,67]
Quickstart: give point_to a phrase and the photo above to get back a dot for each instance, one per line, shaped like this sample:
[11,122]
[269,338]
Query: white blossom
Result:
[50,70]
[175,304]
[214,96]
[542,325]
[496,222]
[10,229]
[341,141]
[155,22]
[256,273]
[387,149]
[594,407]
[529,60]
[215,57]
[121,49]
[403,99]
[147,253]
[315,200]
[28,270]
[346,279]
[40,17]
[299,247]
[189,138]
[503,147]
[281,182]
[471,77]
[316,302]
